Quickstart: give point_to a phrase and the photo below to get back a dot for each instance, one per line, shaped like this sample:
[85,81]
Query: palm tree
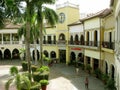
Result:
[13,9]
[1,14]
[34,34]
[21,81]
[43,13]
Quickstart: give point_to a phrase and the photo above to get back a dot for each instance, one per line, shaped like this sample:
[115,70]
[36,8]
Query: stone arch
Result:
[76,39]
[33,54]
[15,54]
[82,39]
[71,40]
[106,68]
[112,71]
[46,53]
[0,54]
[61,36]
[87,38]
[7,54]
[72,57]
[53,54]
[95,37]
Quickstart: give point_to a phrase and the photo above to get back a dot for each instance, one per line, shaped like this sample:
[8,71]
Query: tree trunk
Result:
[27,46]
[41,43]
[27,42]
[35,47]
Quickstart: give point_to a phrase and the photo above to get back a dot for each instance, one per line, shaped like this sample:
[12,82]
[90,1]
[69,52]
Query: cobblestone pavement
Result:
[62,77]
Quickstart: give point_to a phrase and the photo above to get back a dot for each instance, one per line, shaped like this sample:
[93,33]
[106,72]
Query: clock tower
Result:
[68,13]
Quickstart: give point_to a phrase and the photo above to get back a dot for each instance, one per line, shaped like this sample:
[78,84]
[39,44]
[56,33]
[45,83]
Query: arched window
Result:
[7,54]
[71,40]
[76,40]
[15,54]
[62,36]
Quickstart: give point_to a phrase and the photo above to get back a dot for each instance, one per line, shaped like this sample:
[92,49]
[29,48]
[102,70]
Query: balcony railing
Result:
[76,42]
[86,43]
[61,42]
[92,43]
[49,42]
[109,45]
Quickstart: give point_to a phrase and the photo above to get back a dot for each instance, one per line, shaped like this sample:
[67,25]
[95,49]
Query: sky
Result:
[88,6]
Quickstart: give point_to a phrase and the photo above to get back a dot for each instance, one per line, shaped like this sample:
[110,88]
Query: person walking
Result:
[86,83]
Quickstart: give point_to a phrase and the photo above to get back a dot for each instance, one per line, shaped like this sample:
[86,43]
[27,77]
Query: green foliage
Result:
[110,85]
[37,76]
[33,68]
[13,70]
[43,68]
[88,68]
[105,78]
[82,66]
[24,65]
[44,82]
[98,73]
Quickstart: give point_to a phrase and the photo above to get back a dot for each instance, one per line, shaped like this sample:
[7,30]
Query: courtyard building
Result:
[115,5]
[93,40]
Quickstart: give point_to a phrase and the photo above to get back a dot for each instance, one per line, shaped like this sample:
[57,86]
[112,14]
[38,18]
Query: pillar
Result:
[92,64]
[85,60]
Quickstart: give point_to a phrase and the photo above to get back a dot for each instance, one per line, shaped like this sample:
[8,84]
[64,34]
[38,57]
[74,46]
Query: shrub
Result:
[98,73]
[110,85]
[24,65]
[88,68]
[37,76]
[44,82]
[13,70]
[33,68]
[43,68]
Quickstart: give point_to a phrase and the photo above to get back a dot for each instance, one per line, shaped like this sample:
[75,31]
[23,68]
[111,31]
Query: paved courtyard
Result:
[62,77]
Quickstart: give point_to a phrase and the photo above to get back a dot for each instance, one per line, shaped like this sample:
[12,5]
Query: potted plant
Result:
[88,68]
[98,73]
[105,78]
[110,85]
[44,84]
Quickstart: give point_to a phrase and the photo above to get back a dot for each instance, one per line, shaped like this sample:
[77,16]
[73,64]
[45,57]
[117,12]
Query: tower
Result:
[68,13]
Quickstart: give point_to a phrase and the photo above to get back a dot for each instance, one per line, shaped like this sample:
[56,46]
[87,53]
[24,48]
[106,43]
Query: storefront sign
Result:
[75,48]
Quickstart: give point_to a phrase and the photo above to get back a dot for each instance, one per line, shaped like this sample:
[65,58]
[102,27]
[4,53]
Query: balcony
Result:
[109,45]
[61,42]
[92,43]
[49,42]
[76,42]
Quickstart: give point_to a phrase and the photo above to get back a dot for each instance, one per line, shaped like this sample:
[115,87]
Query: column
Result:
[11,38]
[52,39]
[92,64]
[2,38]
[101,65]
[67,55]
[85,60]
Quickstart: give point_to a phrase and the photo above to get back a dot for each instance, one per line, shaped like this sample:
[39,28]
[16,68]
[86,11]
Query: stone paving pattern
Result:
[62,77]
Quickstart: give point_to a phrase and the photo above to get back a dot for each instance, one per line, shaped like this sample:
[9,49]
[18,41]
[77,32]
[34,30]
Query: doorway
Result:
[62,56]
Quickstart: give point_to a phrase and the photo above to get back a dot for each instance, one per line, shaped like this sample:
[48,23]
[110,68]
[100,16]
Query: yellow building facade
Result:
[59,49]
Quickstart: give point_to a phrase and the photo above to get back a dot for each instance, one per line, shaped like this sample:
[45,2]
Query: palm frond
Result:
[21,31]
[18,81]
[25,82]
[50,15]
[8,83]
